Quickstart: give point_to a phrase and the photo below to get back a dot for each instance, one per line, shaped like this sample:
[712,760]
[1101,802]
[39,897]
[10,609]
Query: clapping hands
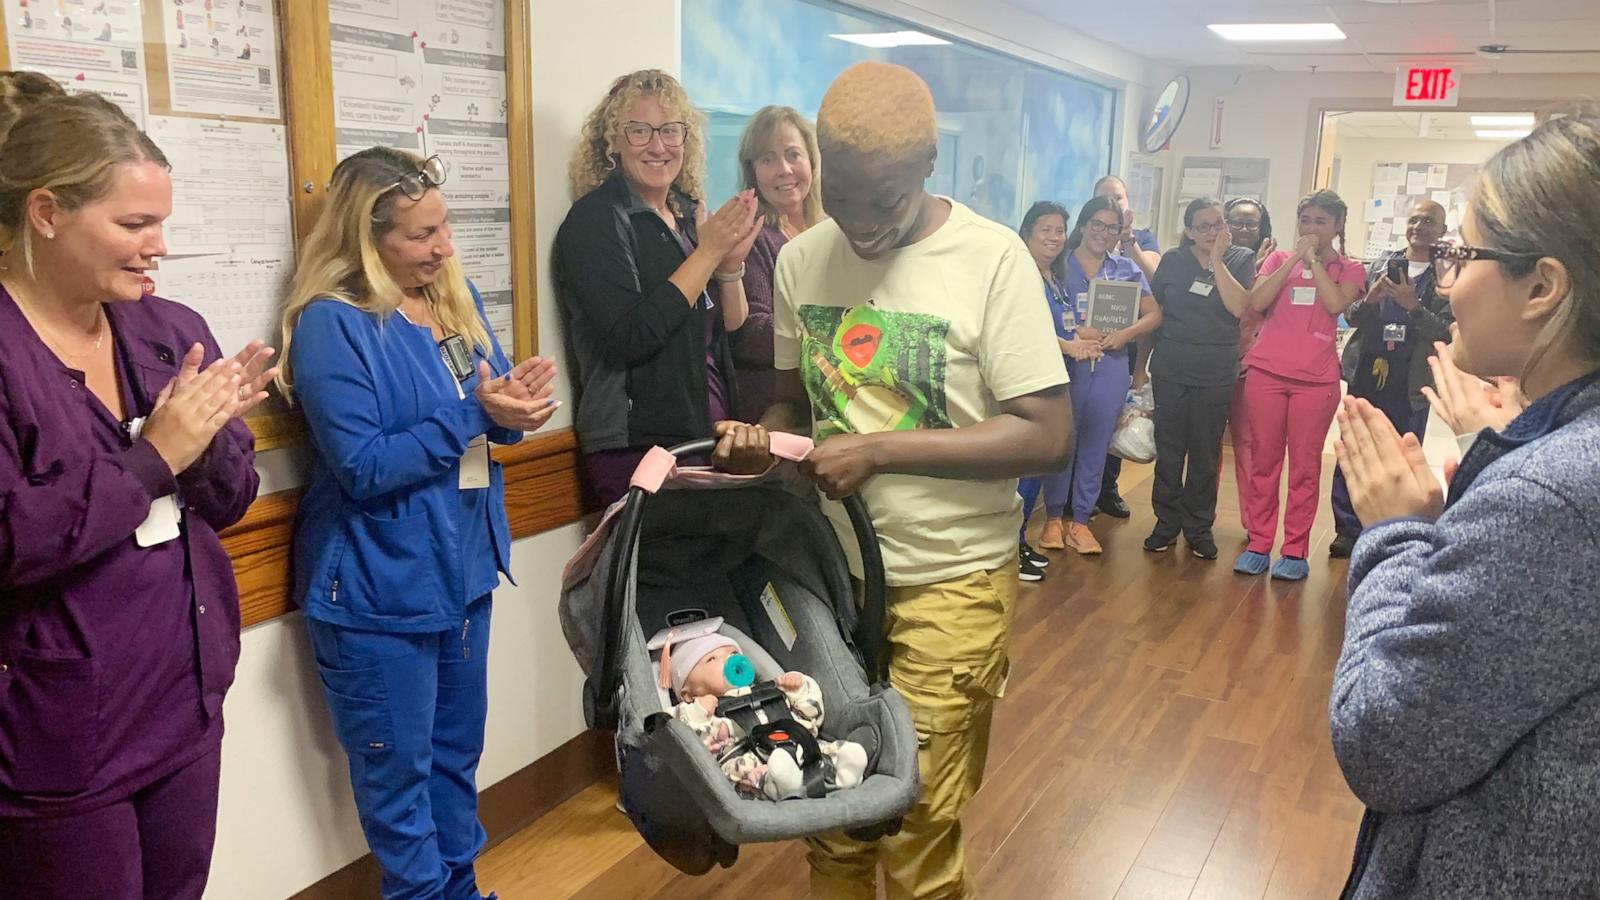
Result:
[1388,476]
[254,375]
[521,399]
[1466,402]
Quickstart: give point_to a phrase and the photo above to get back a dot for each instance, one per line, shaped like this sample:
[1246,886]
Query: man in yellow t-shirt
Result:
[915,335]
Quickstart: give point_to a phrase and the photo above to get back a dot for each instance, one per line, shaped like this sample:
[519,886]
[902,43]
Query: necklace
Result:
[53,340]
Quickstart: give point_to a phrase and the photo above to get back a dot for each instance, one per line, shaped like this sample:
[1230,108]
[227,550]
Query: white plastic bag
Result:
[1135,437]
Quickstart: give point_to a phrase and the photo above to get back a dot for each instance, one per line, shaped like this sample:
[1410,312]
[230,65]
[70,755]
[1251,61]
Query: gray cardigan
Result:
[1466,704]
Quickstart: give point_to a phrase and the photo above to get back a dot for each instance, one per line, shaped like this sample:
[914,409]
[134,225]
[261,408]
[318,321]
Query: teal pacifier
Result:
[738,670]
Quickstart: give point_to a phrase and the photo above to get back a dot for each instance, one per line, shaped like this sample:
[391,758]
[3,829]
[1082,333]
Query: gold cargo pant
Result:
[948,660]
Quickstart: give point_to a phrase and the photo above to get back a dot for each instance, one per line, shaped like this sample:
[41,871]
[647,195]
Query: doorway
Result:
[1384,162]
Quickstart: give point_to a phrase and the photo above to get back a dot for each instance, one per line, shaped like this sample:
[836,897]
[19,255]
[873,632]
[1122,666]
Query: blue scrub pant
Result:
[1097,400]
[1055,487]
[409,710]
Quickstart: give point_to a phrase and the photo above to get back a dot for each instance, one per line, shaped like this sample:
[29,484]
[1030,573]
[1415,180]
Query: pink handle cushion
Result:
[792,447]
[657,466]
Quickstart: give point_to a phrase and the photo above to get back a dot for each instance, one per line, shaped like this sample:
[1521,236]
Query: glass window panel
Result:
[1010,132]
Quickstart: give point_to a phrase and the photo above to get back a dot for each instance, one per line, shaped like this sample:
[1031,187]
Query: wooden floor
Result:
[1164,735]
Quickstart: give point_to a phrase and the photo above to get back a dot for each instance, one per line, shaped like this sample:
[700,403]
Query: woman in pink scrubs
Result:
[1292,381]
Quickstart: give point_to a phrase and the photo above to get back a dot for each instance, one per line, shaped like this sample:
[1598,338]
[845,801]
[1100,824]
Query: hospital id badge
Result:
[475,465]
[1394,334]
[161,524]
[1203,288]
[1303,296]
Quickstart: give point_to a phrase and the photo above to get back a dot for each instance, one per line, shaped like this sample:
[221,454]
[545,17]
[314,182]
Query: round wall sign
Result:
[1166,114]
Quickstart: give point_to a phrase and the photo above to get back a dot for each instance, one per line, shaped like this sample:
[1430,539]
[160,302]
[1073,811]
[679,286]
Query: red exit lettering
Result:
[1429,84]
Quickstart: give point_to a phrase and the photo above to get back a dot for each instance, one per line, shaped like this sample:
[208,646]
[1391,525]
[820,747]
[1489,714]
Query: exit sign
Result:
[1426,86]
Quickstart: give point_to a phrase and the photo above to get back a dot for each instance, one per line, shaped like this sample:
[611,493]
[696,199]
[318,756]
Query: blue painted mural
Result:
[1010,132]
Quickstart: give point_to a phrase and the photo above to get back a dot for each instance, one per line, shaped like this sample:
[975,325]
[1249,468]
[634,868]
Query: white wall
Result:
[1274,115]
[286,818]
[1357,156]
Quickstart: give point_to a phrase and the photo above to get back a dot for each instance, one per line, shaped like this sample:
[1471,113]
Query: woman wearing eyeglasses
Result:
[1466,695]
[402,533]
[1099,385]
[649,285]
[1203,287]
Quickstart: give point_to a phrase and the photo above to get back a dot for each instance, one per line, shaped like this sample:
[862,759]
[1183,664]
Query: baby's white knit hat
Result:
[683,658]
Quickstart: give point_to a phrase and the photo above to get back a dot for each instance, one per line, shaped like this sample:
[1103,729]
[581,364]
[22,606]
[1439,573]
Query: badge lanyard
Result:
[475,462]
[164,521]
[1080,301]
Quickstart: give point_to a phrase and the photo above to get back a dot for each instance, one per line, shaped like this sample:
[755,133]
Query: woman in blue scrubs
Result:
[402,533]
[1099,386]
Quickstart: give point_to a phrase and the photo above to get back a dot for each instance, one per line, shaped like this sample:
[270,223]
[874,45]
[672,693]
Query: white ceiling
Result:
[1400,125]
[1382,34]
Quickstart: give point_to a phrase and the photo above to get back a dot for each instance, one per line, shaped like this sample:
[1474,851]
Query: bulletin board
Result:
[1220,178]
[1144,191]
[254,101]
[1398,186]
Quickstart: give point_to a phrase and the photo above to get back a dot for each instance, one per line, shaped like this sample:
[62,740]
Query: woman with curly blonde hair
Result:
[641,272]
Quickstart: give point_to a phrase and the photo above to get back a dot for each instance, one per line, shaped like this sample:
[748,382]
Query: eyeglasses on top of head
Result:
[1448,258]
[414,185]
[639,134]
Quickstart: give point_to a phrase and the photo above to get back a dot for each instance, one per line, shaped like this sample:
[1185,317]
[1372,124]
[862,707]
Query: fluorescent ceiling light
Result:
[883,40]
[1512,133]
[1525,120]
[1298,31]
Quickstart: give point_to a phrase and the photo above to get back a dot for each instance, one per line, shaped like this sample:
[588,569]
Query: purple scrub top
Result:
[114,659]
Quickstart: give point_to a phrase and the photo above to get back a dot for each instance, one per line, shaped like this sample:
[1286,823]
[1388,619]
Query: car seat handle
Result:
[660,464]
[790,447]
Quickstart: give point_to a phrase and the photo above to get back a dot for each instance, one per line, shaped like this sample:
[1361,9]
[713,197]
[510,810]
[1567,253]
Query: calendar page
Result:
[239,292]
[230,238]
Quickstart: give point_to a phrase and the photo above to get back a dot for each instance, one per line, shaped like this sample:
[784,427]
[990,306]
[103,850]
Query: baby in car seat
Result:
[698,672]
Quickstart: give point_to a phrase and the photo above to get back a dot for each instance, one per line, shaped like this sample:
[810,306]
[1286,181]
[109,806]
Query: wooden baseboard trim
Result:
[543,491]
[505,808]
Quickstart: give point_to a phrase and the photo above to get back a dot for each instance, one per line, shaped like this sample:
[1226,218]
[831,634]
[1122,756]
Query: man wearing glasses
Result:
[1386,360]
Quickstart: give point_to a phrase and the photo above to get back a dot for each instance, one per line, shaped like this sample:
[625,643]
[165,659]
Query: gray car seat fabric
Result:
[769,563]
[848,703]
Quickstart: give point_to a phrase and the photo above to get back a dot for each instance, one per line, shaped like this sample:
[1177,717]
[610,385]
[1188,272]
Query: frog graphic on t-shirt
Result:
[870,370]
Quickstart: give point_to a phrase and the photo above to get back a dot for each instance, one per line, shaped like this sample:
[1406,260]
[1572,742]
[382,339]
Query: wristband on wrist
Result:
[729,278]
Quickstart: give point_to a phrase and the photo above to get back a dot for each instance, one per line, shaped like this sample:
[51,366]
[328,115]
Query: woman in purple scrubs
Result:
[121,457]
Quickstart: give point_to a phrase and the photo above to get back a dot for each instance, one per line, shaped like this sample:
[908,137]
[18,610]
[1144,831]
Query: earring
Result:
[50,235]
